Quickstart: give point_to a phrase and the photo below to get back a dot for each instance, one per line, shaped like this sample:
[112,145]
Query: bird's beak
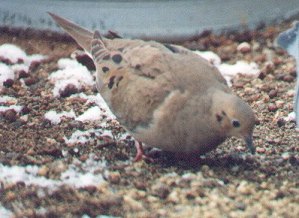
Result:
[249,142]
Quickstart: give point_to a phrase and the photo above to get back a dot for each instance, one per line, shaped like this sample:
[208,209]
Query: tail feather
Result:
[98,48]
[82,36]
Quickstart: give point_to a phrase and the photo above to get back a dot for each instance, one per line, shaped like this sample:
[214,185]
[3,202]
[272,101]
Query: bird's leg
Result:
[140,153]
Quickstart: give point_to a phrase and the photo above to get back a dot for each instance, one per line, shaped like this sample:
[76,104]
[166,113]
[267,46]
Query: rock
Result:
[244,188]
[272,107]
[273,93]
[68,91]
[10,115]
[8,83]
[114,177]
[244,47]
[161,190]
[288,78]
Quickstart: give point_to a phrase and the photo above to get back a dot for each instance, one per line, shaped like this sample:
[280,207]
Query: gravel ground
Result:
[228,182]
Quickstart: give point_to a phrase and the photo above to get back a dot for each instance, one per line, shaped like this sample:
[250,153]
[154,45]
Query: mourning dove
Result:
[289,40]
[164,95]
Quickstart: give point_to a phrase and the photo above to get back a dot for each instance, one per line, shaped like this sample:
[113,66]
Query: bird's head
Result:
[234,117]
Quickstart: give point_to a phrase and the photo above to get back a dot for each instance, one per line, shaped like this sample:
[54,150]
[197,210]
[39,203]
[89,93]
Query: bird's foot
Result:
[140,155]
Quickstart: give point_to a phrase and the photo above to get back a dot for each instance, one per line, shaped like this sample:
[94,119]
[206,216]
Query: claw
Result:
[140,155]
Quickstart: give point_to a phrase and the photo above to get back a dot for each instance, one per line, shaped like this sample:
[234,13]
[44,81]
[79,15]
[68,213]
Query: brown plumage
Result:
[164,95]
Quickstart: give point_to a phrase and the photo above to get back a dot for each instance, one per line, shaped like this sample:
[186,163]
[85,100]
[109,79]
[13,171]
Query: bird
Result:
[164,95]
[289,40]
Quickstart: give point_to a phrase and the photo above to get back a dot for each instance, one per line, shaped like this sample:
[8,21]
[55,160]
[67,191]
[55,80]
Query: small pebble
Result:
[260,150]
[288,78]
[69,90]
[10,115]
[240,206]
[10,196]
[285,155]
[272,107]
[33,66]
[291,93]
[114,177]
[244,188]
[25,110]
[133,204]
[173,197]
[30,81]
[244,47]
[279,103]
[281,122]
[8,83]
[160,190]
[43,170]
[23,74]
[273,93]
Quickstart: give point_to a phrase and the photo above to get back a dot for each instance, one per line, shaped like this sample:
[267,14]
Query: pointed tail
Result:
[82,36]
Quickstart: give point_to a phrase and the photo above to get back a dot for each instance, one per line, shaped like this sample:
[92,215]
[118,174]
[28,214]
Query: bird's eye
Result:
[236,123]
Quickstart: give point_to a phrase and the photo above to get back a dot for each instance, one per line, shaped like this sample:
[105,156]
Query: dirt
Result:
[227,182]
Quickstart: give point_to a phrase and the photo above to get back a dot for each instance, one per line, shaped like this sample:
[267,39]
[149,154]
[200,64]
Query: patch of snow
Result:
[209,56]
[19,59]
[34,58]
[71,72]
[55,118]
[8,99]
[291,117]
[5,74]
[12,52]
[65,63]
[76,178]
[5,213]
[16,108]
[15,54]
[97,99]
[241,67]
[19,67]
[83,137]
[92,114]
[79,174]
[10,103]
[229,71]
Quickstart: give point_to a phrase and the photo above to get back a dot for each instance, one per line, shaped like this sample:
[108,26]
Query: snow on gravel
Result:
[73,73]
[5,212]
[229,71]
[78,174]
[18,59]
[7,103]
[55,118]
[70,72]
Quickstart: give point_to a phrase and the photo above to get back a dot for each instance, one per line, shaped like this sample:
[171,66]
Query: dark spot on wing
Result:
[120,49]
[171,48]
[223,113]
[117,58]
[219,118]
[118,80]
[105,69]
[111,82]
[137,66]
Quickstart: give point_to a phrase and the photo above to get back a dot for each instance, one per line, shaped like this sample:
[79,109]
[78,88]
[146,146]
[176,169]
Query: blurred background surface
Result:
[149,19]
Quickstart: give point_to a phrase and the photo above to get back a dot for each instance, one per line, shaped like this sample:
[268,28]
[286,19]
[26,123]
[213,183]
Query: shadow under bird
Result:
[164,95]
